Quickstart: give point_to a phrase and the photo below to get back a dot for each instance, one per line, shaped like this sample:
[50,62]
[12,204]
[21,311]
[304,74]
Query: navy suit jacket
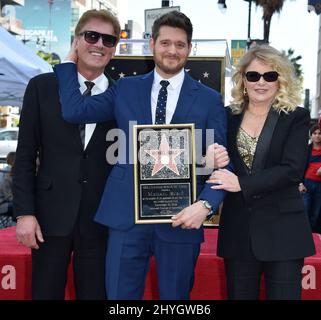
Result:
[129,102]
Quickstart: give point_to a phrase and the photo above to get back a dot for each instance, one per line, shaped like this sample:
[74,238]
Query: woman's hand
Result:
[319,172]
[216,157]
[224,180]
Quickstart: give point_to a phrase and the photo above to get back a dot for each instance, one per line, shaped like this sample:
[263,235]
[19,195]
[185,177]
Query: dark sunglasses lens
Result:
[109,40]
[252,76]
[91,37]
[270,76]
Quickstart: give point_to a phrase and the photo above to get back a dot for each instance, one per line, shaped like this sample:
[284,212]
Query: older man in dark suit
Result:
[55,201]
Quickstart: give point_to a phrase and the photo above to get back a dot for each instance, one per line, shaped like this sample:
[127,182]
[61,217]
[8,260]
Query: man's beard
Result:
[170,70]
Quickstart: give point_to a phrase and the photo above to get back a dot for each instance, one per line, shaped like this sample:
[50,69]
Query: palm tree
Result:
[269,8]
[296,63]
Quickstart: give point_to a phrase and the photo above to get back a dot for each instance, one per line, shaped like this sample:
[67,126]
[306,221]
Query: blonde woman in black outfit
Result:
[263,227]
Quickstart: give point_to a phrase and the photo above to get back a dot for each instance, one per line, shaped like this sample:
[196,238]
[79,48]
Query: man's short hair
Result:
[314,128]
[11,157]
[103,15]
[173,19]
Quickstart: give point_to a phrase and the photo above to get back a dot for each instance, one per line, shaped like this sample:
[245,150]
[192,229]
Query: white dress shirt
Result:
[101,84]
[173,91]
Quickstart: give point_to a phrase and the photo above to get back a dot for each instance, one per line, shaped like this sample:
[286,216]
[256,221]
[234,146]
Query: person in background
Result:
[263,227]
[6,219]
[311,187]
[165,95]
[61,169]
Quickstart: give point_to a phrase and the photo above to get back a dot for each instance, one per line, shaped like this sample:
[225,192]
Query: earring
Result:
[244,92]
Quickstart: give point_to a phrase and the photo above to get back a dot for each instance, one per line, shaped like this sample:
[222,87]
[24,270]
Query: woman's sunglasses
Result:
[92,37]
[253,76]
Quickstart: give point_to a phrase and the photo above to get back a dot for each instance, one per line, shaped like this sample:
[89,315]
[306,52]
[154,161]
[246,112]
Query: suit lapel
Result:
[93,138]
[144,104]
[263,144]
[186,99]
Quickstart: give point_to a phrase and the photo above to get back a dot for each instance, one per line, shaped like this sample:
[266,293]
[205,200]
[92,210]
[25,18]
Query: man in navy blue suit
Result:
[135,99]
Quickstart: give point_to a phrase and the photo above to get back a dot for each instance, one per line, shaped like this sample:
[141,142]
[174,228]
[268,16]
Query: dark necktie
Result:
[82,127]
[160,117]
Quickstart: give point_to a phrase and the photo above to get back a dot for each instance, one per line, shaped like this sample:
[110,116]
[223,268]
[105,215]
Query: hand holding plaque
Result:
[192,217]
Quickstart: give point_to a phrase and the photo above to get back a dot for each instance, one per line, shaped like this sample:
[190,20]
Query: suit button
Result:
[257,197]
[85,155]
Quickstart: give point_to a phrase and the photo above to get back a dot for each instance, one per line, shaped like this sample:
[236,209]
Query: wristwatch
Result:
[208,206]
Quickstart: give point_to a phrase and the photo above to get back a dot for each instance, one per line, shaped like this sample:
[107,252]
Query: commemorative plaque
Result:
[164,171]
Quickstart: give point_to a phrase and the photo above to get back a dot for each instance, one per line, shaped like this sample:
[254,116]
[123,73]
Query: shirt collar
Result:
[175,81]
[101,82]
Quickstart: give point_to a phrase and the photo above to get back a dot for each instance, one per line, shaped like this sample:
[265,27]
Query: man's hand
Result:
[216,156]
[28,231]
[191,217]
[73,54]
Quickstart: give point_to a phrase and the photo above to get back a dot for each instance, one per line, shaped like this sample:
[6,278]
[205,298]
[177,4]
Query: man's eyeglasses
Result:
[92,37]
[254,76]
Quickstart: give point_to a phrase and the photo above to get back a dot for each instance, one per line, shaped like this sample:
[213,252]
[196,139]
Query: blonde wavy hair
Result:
[288,95]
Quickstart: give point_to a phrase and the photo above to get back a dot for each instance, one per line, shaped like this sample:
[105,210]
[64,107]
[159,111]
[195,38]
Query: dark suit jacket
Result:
[69,181]
[130,100]
[268,214]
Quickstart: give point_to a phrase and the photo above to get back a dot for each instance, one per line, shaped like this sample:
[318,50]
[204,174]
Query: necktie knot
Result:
[164,84]
[89,85]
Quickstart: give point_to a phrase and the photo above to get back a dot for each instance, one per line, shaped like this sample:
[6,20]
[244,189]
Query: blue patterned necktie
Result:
[160,117]
[82,127]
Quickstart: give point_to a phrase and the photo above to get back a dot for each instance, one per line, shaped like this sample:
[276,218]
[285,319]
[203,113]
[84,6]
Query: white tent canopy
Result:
[18,64]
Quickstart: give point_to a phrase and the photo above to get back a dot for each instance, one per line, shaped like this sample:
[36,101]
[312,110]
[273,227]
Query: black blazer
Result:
[268,214]
[69,181]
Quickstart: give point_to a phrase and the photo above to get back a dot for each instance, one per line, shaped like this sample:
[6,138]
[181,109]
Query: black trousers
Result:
[282,279]
[50,264]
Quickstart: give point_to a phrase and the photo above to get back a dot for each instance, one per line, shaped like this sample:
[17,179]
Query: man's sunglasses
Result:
[92,37]
[253,76]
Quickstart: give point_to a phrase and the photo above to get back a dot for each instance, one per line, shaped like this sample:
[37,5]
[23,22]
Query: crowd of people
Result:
[70,203]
